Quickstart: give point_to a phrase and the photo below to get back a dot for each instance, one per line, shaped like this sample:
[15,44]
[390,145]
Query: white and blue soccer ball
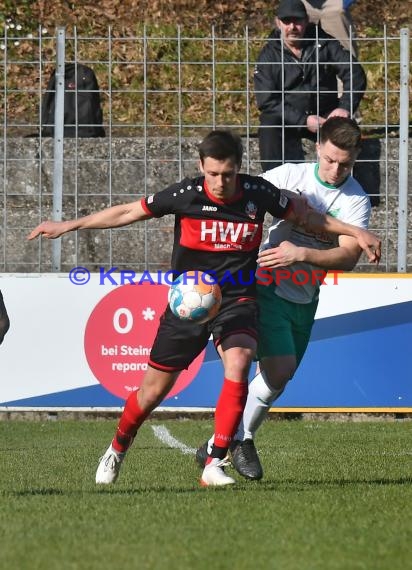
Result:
[195,296]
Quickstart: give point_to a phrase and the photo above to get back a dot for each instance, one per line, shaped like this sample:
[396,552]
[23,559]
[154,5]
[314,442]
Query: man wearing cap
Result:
[296,84]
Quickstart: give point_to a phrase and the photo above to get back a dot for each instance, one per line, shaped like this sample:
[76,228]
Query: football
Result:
[195,296]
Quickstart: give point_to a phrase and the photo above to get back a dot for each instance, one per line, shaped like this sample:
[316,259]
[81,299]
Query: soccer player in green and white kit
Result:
[287,308]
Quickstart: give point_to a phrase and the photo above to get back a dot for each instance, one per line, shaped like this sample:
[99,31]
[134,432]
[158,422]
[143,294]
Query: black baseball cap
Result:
[291,9]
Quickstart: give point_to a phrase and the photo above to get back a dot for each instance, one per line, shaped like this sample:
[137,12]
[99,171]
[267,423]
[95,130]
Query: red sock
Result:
[131,419]
[228,414]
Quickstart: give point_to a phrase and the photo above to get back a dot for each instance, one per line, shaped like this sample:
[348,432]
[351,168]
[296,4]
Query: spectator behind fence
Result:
[82,114]
[296,85]
[335,19]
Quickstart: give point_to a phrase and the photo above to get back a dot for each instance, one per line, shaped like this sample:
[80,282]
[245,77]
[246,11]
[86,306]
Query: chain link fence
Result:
[159,96]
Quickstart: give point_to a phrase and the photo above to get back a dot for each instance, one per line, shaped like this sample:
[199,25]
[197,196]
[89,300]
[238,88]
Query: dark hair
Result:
[342,132]
[221,145]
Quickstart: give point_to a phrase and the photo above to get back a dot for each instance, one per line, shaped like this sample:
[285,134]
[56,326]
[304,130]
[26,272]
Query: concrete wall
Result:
[140,167]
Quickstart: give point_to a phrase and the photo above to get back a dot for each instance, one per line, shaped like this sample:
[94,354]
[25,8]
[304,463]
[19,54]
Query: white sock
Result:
[260,398]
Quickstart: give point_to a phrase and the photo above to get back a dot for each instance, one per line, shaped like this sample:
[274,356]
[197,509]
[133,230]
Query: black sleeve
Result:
[279,205]
[171,200]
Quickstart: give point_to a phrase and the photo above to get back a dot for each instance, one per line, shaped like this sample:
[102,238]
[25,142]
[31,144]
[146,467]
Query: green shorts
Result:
[284,327]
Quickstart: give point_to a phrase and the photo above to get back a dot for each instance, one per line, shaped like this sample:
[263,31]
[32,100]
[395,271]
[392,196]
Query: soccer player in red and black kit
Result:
[218,227]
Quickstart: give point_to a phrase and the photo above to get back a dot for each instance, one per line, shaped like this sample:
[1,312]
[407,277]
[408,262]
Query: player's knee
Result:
[237,353]
[278,377]
[238,365]
[155,387]
[149,399]
[279,382]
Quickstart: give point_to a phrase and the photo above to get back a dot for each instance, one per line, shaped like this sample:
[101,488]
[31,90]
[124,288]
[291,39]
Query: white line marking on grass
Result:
[162,433]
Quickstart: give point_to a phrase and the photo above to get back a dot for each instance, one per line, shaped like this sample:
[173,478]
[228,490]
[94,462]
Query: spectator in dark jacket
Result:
[296,84]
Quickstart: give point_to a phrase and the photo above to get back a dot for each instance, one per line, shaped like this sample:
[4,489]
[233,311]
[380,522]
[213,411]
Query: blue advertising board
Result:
[93,345]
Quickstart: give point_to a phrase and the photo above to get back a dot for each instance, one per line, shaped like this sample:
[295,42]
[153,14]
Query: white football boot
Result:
[214,474]
[109,467]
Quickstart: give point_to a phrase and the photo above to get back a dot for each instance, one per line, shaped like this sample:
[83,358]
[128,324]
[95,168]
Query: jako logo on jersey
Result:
[209,209]
[251,210]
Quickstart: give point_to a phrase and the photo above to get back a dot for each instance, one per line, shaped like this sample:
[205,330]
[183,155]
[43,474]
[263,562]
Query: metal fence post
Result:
[58,145]
[403,151]
[5,140]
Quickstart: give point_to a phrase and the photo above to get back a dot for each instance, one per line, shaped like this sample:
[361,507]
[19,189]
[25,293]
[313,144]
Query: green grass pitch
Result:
[335,495]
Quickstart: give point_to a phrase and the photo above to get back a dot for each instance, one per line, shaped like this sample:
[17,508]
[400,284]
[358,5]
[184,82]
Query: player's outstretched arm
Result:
[343,257]
[315,222]
[368,241]
[114,217]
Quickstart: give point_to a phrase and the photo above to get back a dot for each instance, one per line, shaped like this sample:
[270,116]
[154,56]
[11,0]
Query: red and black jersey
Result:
[216,236]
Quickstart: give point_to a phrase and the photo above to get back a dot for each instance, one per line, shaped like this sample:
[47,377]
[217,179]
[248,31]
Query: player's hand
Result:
[339,113]
[300,207]
[285,254]
[49,230]
[371,245]
[313,122]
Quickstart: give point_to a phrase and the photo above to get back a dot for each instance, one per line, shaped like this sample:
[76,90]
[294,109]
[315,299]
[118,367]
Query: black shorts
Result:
[178,342]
